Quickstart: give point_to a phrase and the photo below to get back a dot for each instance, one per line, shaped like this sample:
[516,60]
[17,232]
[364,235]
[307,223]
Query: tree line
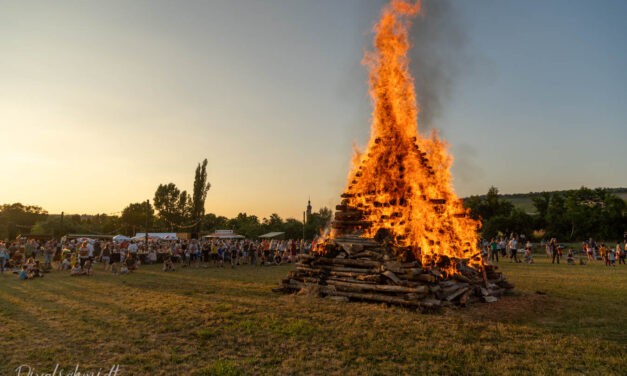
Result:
[568,215]
[171,210]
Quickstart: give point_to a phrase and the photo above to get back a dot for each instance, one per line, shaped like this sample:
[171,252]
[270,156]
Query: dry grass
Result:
[228,322]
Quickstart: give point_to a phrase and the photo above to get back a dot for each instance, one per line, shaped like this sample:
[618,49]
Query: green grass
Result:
[561,319]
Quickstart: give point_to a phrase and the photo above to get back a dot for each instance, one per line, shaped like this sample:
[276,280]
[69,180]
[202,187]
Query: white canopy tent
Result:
[156,236]
[120,238]
[224,234]
[272,235]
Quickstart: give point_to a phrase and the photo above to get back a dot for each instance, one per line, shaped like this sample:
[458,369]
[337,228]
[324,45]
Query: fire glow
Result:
[402,182]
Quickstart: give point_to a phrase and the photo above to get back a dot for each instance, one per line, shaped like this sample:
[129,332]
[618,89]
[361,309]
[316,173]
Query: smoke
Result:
[465,168]
[437,56]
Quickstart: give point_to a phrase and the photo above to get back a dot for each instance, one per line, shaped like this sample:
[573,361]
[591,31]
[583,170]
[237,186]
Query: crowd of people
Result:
[31,258]
[514,246]
[79,256]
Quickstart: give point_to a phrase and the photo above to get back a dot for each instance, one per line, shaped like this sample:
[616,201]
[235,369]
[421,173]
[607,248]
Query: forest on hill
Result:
[568,215]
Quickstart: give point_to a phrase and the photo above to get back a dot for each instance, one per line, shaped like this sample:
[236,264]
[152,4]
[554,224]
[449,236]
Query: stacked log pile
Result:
[361,269]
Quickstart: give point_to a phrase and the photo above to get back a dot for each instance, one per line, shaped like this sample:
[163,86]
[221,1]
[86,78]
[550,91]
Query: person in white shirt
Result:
[132,248]
[513,250]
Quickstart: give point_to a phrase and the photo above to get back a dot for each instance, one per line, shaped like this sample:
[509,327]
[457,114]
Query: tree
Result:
[293,228]
[557,224]
[247,225]
[137,215]
[201,187]
[541,203]
[172,204]
[18,218]
[274,223]
[317,223]
[489,206]
[211,222]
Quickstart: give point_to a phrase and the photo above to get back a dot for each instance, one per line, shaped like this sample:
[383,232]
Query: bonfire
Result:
[400,235]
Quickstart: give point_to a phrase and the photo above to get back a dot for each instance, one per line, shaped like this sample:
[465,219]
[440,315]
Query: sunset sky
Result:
[100,102]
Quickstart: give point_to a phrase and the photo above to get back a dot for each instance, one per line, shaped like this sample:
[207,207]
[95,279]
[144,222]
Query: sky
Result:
[100,102]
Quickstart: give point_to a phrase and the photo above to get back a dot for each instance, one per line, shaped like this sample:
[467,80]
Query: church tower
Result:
[308,210]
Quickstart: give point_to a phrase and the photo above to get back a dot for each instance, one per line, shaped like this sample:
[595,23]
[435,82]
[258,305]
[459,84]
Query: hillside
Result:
[524,202]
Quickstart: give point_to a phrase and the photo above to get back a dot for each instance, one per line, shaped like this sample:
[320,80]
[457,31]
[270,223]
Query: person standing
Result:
[554,251]
[4,256]
[620,254]
[603,252]
[611,258]
[513,250]
[494,251]
[105,256]
[48,252]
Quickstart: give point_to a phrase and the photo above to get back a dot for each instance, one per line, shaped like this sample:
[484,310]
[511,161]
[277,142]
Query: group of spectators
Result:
[78,256]
[608,254]
[509,248]
[514,246]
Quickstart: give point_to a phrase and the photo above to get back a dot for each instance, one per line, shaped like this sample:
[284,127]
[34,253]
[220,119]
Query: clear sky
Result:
[102,101]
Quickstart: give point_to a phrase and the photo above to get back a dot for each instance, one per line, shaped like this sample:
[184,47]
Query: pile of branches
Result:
[353,268]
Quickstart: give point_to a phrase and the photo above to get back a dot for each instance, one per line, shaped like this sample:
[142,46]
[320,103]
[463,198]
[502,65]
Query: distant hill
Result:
[523,200]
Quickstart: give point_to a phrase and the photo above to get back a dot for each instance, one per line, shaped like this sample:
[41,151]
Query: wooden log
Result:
[337,273]
[393,266]
[463,300]
[349,216]
[368,277]
[374,297]
[426,278]
[373,255]
[311,280]
[356,240]
[449,283]
[347,262]
[414,271]
[430,302]
[462,278]
[350,280]
[436,272]
[378,288]
[391,276]
[457,293]
[319,268]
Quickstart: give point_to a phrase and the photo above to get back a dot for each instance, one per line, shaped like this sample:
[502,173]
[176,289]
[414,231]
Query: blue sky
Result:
[102,101]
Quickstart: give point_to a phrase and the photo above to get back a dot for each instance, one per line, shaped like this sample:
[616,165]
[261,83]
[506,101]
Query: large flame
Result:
[402,182]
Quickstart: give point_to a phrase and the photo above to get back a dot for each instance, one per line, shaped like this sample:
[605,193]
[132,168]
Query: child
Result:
[168,265]
[23,275]
[66,264]
[76,270]
[124,269]
[611,257]
[570,259]
[35,270]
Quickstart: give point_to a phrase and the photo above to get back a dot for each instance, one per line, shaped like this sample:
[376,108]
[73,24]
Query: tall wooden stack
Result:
[362,269]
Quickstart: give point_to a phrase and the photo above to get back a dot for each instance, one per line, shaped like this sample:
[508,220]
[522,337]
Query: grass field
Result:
[561,319]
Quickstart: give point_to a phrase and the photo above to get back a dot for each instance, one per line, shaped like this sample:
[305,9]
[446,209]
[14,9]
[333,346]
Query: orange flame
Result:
[402,182]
